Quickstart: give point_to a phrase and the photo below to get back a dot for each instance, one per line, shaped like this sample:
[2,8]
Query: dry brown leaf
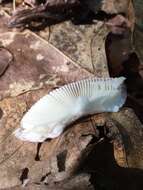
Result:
[132,134]
[114,6]
[85,44]
[36,66]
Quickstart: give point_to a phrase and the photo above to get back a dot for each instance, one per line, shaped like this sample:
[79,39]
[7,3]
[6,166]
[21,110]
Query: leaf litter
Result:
[33,74]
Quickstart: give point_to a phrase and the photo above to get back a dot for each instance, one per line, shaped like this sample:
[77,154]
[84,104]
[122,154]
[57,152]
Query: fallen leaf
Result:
[115,7]
[85,44]
[132,134]
[40,64]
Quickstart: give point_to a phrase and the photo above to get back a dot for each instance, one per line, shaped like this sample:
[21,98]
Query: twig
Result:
[14,5]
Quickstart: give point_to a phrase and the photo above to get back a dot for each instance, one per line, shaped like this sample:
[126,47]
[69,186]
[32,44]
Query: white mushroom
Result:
[48,117]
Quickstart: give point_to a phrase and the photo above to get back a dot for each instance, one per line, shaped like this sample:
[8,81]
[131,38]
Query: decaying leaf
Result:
[38,65]
[71,39]
[56,11]
[114,6]
[132,134]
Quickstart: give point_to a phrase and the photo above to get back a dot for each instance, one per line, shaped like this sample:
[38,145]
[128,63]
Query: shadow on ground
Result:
[122,61]
[106,174]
